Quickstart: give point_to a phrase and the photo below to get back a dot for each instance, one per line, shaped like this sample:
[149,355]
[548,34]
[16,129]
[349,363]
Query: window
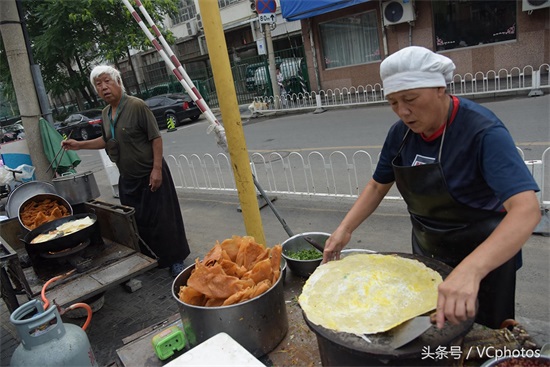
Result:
[224,3]
[186,12]
[156,73]
[467,23]
[350,40]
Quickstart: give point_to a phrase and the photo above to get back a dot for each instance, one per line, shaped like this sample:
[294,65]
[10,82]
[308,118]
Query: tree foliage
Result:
[69,37]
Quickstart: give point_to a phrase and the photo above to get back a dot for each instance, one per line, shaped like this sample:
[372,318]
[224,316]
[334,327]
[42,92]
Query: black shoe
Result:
[176,269]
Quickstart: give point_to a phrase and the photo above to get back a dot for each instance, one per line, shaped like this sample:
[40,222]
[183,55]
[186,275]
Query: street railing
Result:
[314,175]
[490,83]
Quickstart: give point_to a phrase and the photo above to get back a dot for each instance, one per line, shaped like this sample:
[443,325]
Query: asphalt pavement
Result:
[211,217]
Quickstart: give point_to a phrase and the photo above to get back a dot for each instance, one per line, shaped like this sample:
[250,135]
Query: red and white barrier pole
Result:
[178,71]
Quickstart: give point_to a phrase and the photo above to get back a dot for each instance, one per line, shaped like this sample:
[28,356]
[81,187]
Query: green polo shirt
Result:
[135,129]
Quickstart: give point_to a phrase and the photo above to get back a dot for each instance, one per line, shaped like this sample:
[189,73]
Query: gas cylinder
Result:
[47,341]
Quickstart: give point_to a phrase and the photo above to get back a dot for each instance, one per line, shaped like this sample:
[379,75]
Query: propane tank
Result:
[46,341]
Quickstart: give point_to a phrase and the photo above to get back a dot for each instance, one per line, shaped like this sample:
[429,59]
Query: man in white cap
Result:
[470,196]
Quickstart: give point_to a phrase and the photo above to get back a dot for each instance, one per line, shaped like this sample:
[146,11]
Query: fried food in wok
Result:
[369,293]
[37,212]
[236,270]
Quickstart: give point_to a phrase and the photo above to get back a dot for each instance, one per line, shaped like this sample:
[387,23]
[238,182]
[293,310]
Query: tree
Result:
[69,36]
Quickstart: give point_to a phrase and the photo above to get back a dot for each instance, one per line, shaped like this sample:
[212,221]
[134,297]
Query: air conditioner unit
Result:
[192,27]
[199,22]
[528,5]
[398,11]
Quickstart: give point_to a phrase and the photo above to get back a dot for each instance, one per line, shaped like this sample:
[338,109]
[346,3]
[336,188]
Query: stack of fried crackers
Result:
[236,270]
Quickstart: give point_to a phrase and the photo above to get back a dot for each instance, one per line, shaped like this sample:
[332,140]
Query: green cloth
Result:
[51,140]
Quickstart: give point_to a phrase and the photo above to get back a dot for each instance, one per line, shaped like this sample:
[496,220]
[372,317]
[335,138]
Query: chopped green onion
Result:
[305,255]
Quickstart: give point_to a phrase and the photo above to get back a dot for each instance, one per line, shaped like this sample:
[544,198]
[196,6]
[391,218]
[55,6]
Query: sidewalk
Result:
[211,217]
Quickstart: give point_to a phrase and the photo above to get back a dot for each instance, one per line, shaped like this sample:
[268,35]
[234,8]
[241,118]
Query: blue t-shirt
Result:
[481,164]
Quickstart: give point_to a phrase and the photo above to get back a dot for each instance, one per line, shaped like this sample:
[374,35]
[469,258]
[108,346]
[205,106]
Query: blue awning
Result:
[301,9]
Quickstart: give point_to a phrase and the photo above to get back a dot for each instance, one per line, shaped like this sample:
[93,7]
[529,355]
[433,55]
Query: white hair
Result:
[109,70]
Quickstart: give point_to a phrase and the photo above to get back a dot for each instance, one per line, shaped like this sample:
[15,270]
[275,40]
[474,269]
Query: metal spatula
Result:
[410,330]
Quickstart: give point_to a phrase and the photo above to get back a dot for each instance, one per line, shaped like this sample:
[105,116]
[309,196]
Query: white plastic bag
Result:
[5,176]
[27,172]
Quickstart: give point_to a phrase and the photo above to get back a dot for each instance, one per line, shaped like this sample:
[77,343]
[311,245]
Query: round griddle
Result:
[379,346]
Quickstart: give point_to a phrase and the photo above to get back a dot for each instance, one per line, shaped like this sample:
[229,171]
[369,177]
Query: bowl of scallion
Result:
[302,258]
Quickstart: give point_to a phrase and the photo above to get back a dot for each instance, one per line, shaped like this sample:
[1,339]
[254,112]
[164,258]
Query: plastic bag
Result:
[5,176]
[27,172]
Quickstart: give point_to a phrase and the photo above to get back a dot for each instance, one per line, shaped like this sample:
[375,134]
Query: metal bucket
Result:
[258,324]
[77,188]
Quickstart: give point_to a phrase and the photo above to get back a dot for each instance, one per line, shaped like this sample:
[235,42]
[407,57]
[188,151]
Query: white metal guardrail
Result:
[336,175]
[492,82]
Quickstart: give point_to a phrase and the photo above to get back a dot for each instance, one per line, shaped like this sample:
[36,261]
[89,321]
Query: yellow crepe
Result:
[369,293]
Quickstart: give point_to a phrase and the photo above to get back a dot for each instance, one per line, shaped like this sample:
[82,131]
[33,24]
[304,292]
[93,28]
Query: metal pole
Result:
[223,78]
[20,70]
[272,72]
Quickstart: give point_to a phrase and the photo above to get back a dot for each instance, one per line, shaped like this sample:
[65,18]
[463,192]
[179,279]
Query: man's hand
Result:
[155,179]
[70,144]
[457,299]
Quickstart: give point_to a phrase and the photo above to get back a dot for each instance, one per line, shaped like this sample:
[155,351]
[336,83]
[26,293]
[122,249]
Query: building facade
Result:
[344,47]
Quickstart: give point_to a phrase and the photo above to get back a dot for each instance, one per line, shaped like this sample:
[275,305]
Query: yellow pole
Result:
[231,117]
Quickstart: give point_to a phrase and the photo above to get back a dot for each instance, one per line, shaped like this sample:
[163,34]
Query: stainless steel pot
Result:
[258,324]
[39,197]
[77,188]
[25,191]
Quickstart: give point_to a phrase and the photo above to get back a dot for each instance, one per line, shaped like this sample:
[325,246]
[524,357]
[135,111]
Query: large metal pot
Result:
[60,243]
[339,348]
[25,191]
[77,188]
[258,324]
[39,197]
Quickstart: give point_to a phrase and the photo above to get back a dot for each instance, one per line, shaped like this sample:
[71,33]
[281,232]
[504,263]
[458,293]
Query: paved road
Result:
[528,120]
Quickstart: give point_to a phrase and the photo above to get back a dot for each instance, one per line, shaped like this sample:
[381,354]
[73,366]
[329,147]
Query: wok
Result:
[60,243]
[346,349]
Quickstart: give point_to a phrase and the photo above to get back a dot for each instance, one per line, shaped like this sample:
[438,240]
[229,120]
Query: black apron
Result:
[449,231]
[158,217]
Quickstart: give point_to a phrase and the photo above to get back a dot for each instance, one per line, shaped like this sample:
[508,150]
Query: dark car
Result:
[176,106]
[83,125]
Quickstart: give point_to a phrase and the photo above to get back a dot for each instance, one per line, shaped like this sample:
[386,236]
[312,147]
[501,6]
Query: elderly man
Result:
[470,197]
[132,140]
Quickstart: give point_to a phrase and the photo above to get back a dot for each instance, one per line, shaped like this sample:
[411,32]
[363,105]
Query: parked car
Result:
[177,106]
[82,125]
[290,68]
[12,132]
[250,73]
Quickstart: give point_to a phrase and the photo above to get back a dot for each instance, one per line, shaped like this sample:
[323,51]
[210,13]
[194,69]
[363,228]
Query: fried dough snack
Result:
[37,212]
[234,271]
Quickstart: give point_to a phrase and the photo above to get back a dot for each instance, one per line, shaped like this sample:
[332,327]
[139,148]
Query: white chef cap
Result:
[415,67]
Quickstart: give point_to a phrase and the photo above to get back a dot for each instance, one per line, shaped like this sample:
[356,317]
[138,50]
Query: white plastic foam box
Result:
[219,350]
